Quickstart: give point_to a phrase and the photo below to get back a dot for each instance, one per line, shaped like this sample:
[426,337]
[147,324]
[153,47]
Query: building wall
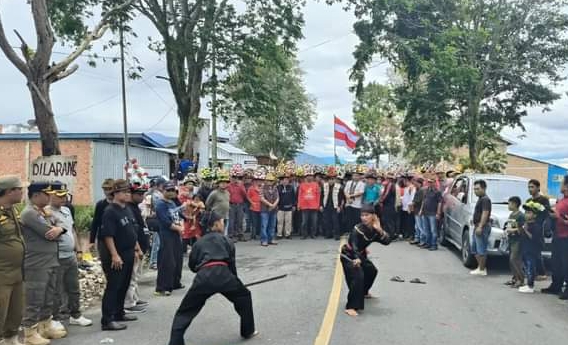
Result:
[528,168]
[17,155]
[555,178]
[109,160]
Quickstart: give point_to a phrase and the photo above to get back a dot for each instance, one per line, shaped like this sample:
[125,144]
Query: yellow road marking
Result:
[326,328]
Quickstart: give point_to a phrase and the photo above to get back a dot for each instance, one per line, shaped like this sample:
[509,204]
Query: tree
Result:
[65,20]
[482,63]
[488,161]
[378,121]
[196,33]
[277,112]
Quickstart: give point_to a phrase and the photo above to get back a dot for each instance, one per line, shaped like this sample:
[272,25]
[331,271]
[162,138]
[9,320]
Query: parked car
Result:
[459,203]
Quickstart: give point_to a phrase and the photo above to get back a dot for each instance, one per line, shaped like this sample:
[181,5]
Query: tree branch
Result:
[39,95]
[44,33]
[11,54]
[65,73]
[97,32]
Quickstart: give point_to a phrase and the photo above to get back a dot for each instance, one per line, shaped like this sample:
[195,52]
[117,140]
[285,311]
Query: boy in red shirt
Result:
[309,194]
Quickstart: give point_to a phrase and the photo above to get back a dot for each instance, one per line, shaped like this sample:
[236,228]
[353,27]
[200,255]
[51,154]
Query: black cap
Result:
[367,209]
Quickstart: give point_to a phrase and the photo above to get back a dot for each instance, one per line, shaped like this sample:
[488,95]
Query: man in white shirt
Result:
[408,224]
[354,190]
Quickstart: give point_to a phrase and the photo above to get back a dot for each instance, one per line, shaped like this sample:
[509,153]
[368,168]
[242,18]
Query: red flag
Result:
[344,135]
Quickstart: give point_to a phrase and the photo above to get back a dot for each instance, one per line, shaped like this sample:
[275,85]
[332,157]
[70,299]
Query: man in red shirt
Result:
[253,196]
[309,194]
[237,199]
[560,247]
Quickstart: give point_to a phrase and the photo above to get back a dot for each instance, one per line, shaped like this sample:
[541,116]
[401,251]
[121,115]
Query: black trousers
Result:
[208,282]
[352,218]
[388,220]
[359,281]
[559,263]
[309,222]
[408,224]
[117,285]
[255,224]
[331,225]
[170,262]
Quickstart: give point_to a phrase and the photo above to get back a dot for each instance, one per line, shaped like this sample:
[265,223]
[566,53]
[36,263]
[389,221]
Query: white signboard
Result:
[55,168]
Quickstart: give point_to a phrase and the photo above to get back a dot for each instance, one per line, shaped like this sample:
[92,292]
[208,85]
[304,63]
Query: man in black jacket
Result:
[213,259]
[99,210]
[286,207]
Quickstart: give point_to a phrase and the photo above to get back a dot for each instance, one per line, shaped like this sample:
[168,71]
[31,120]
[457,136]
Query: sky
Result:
[89,100]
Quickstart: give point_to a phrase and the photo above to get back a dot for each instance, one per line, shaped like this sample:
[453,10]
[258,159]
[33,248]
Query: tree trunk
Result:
[473,124]
[193,119]
[44,117]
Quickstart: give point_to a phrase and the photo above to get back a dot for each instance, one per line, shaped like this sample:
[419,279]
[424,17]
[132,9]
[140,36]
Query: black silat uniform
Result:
[360,279]
[212,257]
[117,222]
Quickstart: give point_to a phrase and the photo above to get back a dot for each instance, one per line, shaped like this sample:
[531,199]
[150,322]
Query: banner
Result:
[55,168]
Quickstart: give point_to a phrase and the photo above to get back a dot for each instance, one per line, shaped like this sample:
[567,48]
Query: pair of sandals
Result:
[399,279]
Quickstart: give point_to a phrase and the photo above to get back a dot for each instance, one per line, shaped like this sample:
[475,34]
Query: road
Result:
[451,308]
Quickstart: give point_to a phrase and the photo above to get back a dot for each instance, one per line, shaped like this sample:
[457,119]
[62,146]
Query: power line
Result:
[92,56]
[161,119]
[108,98]
[324,42]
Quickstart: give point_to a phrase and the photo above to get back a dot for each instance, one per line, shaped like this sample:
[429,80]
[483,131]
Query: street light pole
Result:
[123,85]
[214,109]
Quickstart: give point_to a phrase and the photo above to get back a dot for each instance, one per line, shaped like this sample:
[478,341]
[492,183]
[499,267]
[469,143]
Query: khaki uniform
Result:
[41,263]
[11,277]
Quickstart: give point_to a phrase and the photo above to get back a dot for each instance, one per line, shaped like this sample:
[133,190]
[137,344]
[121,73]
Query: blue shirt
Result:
[371,194]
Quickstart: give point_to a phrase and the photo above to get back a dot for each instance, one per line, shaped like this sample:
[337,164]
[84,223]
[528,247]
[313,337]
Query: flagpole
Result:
[334,144]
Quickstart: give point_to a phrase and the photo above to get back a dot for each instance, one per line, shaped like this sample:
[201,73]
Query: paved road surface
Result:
[451,308]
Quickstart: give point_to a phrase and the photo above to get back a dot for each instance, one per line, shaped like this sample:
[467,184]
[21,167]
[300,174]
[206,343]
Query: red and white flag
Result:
[345,136]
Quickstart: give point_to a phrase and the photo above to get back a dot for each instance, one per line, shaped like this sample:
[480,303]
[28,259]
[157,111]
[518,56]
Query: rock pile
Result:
[92,283]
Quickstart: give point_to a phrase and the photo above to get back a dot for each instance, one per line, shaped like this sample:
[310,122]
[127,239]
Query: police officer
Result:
[41,232]
[11,261]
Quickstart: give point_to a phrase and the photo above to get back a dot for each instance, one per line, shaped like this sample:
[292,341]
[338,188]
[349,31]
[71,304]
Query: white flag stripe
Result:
[346,131]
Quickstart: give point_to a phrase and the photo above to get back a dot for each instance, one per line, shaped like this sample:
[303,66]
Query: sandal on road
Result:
[397,279]
[417,281]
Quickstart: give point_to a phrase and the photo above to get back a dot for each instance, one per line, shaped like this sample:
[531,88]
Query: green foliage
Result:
[269,108]
[470,67]
[197,33]
[378,121]
[488,161]
[83,218]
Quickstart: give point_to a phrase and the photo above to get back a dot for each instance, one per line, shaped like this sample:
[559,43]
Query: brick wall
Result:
[528,168]
[16,156]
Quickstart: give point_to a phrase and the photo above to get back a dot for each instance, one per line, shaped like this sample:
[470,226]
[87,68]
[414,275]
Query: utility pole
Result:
[123,82]
[214,108]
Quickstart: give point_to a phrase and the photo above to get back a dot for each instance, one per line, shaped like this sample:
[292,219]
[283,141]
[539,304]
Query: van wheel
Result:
[468,259]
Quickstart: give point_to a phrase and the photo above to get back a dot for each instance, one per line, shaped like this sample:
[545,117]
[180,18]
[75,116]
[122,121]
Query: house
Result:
[99,156]
[550,175]
[227,153]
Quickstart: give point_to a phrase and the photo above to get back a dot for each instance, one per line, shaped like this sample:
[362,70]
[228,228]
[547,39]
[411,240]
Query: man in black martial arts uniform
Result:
[360,273]
[212,257]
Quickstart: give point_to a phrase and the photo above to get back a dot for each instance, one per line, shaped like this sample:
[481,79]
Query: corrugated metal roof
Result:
[136,138]
[231,149]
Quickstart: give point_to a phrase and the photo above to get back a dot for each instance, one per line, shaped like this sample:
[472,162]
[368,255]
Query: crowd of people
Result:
[163,219]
